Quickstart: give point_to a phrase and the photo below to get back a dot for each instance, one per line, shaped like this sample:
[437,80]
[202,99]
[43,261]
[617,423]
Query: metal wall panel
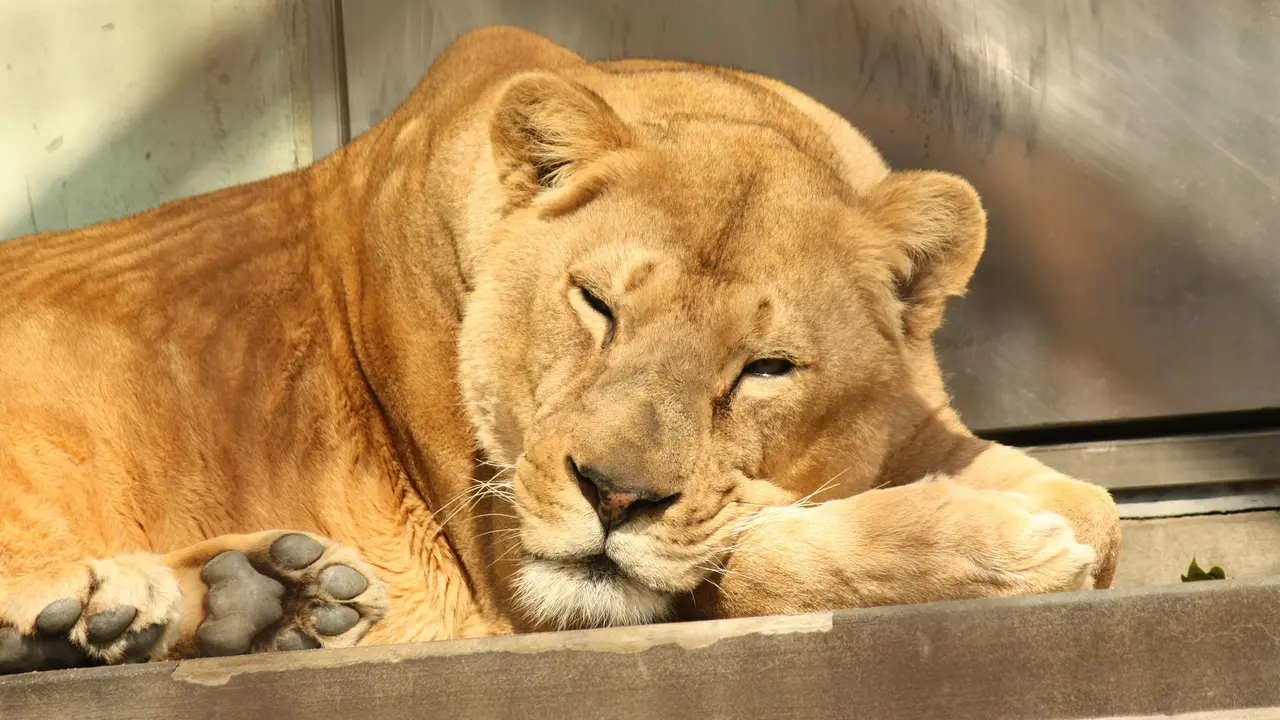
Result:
[1128,152]
[327,67]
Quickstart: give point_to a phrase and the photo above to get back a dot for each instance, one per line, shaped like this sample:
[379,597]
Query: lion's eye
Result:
[596,304]
[596,314]
[769,367]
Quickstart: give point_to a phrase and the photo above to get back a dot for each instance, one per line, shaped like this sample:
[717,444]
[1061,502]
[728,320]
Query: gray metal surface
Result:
[1128,152]
[1208,499]
[1197,648]
[329,126]
[1165,461]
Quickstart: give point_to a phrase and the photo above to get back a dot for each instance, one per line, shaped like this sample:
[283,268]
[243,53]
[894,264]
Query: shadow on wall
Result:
[116,108]
[1130,270]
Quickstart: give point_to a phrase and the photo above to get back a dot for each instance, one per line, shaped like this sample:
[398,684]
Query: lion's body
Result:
[285,354]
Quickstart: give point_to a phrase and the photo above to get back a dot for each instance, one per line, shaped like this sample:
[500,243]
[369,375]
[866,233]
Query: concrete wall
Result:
[113,106]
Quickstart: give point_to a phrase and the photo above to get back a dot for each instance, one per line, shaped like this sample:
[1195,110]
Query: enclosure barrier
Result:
[1201,650]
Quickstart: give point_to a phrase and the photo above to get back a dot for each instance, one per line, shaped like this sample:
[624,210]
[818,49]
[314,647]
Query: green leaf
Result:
[1194,573]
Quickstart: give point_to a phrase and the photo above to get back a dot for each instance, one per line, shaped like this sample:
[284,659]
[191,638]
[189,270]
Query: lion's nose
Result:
[613,501]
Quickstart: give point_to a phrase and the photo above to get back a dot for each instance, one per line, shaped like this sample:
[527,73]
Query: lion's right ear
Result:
[937,230]
[545,129]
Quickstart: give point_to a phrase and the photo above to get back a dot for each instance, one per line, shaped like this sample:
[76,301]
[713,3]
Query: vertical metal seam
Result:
[340,73]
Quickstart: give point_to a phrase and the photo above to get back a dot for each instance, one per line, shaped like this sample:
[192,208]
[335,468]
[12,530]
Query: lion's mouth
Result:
[591,592]
[600,568]
[595,570]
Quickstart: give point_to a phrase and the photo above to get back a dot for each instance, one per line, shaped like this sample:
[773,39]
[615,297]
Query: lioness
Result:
[557,344]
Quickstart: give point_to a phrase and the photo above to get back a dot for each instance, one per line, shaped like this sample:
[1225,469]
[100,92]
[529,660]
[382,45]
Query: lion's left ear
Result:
[545,130]
[937,230]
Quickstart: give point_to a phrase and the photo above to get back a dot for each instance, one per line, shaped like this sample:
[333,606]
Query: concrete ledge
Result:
[1209,649]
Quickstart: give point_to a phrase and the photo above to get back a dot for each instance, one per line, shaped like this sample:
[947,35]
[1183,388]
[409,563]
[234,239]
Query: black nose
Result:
[613,501]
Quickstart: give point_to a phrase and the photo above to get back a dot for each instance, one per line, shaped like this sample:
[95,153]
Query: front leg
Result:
[233,594]
[937,539]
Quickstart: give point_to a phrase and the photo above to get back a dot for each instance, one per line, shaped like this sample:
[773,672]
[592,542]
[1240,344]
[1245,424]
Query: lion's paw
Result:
[125,609]
[300,592]
[1040,550]
[266,591]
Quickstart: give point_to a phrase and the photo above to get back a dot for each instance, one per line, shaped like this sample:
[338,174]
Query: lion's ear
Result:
[545,129]
[937,230]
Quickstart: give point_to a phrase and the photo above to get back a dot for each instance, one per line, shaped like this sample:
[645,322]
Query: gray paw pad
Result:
[295,551]
[108,624]
[273,606]
[140,643]
[343,582]
[241,603]
[24,654]
[228,636]
[50,648]
[13,648]
[334,619]
[226,567]
[59,616]
[295,639]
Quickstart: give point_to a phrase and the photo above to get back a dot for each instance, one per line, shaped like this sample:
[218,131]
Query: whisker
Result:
[478,497]
[726,572]
[466,492]
[498,495]
[715,571]
[825,486]
[500,558]
[505,532]
[501,469]
[504,515]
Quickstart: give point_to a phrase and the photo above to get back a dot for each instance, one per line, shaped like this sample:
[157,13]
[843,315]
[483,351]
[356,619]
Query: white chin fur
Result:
[567,596]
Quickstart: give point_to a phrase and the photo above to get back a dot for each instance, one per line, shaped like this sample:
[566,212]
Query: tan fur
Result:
[390,349]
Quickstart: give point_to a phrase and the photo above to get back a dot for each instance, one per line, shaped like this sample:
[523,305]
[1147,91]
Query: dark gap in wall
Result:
[1259,420]
[340,65]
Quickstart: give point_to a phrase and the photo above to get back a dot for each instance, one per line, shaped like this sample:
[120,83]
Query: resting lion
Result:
[555,345]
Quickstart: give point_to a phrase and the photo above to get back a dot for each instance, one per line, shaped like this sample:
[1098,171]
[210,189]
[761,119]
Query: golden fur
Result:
[392,348]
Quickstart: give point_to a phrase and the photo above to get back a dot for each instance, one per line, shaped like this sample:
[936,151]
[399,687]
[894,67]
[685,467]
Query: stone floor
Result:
[1157,551]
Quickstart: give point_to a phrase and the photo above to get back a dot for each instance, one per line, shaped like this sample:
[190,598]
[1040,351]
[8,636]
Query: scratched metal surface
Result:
[1128,152]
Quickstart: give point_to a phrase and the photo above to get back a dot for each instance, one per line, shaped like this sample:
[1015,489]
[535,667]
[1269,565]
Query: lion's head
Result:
[700,292]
